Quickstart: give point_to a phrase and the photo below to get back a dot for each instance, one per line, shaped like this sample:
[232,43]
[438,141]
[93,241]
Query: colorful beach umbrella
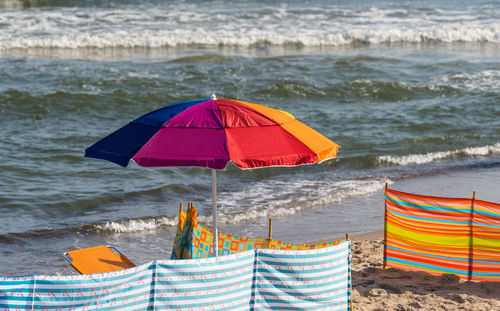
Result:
[210,133]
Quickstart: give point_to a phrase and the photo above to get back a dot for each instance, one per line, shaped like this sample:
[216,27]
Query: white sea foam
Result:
[486,80]
[137,225]
[267,199]
[181,25]
[283,198]
[436,156]
[250,37]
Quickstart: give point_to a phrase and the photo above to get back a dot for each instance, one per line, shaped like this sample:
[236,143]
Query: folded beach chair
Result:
[98,259]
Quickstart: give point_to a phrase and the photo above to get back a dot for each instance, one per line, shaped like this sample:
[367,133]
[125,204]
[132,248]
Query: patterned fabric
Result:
[259,279]
[179,240]
[443,235]
[194,240]
[273,244]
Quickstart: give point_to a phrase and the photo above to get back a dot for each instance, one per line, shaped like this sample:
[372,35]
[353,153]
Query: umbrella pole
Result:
[214,211]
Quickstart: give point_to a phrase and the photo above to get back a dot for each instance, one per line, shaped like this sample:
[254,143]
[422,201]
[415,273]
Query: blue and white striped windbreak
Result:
[259,279]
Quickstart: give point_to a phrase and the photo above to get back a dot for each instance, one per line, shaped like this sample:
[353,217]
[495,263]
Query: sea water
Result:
[410,90]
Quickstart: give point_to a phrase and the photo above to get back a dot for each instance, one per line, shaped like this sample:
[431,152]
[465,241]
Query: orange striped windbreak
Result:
[442,235]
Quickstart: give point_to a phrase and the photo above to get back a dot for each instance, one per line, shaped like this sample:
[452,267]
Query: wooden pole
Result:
[270,235]
[385,227]
[471,239]
[347,236]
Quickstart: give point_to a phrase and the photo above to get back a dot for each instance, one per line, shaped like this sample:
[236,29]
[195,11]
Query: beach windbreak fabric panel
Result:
[443,235]
[316,280]
[486,241]
[253,280]
[194,240]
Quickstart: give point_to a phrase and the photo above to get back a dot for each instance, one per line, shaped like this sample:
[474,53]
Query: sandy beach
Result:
[375,288]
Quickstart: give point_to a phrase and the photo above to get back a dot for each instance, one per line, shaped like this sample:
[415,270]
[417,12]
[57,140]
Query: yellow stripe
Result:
[426,238]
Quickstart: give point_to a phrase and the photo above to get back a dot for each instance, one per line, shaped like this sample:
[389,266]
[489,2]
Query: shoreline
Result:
[365,214]
[370,236]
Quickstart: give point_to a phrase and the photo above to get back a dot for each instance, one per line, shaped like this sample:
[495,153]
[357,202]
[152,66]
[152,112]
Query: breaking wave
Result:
[175,25]
[440,155]
[266,200]
[136,225]
[166,39]
[486,80]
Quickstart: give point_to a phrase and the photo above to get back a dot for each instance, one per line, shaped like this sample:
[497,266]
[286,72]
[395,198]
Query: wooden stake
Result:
[270,235]
[385,228]
[347,236]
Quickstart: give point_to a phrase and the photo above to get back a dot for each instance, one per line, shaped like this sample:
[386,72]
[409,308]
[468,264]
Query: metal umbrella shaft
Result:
[214,211]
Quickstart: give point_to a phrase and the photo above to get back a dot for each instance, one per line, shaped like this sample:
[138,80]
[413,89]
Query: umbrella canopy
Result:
[211,132]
